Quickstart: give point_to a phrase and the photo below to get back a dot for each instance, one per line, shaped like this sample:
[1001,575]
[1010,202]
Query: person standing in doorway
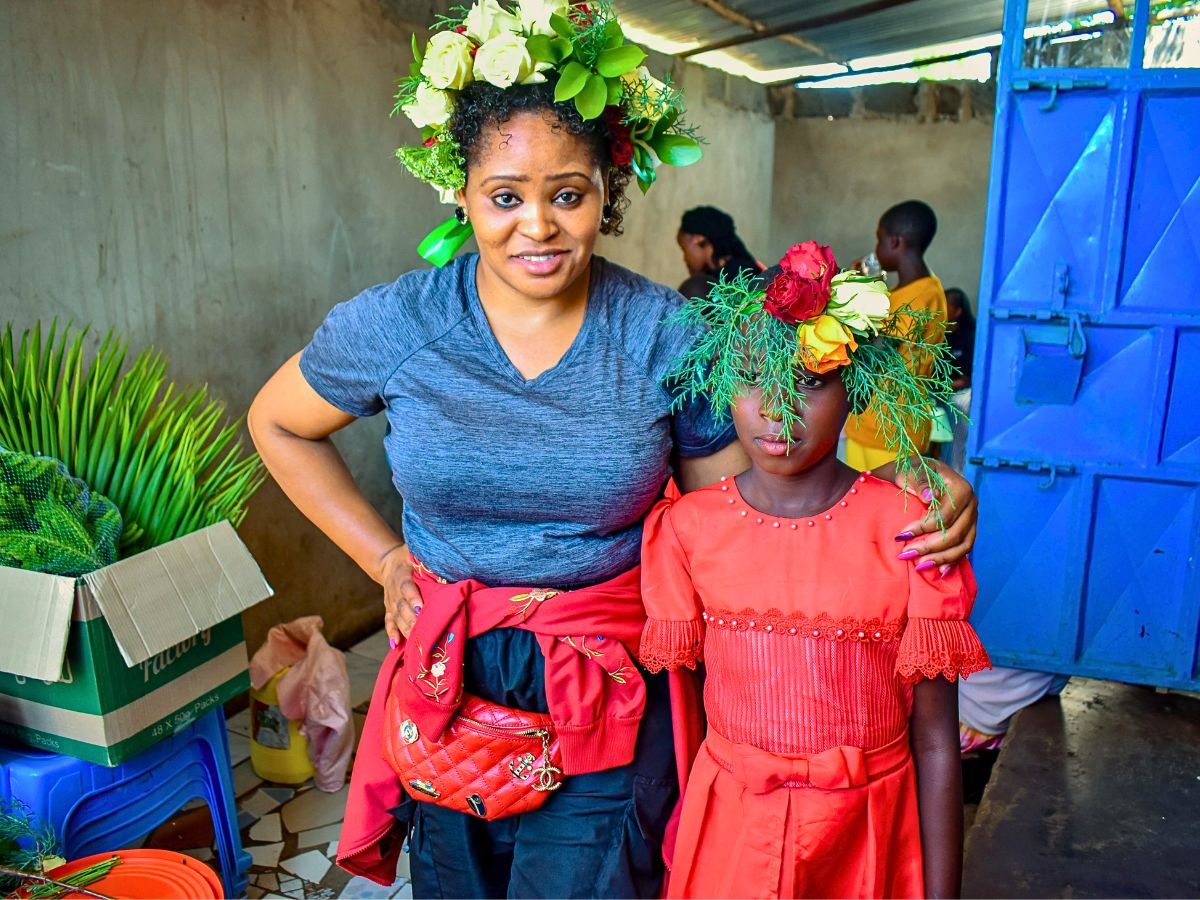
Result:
[903,235]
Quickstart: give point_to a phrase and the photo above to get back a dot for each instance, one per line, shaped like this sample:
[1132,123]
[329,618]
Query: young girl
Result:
[831,763]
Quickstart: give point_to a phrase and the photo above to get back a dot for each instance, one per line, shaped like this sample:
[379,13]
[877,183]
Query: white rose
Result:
[447,62]
[447,195]
[488,19]
[429,106]
[863,305]
[644,104]
[504,61]
[535,15]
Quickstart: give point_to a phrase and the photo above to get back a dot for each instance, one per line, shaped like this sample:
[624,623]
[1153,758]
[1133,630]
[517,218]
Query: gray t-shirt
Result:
[515,482]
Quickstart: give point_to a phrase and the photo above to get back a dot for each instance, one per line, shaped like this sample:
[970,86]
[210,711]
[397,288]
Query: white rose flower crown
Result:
[580,48]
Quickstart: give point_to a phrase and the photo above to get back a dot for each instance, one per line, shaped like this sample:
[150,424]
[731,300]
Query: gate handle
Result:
[1049,104]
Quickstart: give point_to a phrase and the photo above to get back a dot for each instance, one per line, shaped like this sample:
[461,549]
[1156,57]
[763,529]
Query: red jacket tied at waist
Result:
[594,691]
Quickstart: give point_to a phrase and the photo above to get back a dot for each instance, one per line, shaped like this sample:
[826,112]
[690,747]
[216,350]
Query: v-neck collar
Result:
[489,337]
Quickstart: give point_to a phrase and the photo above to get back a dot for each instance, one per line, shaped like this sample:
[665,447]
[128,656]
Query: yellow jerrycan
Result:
[278,751]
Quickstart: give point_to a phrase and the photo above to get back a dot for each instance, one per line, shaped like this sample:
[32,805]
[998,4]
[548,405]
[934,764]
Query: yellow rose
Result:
[535,15]
[447,62]
[488,19]
[824,344]
[504,61]
[643,101]
[863,305]
[429,106]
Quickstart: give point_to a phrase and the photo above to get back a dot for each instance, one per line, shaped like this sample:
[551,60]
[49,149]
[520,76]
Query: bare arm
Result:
[935,746]
[290,425]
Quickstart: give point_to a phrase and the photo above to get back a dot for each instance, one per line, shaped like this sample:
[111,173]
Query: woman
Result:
[529,434]
[711,247]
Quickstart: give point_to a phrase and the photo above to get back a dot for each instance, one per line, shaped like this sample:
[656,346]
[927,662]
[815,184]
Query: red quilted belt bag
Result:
[491,761]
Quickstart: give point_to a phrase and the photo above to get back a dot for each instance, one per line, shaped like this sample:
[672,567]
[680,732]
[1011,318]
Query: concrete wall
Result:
[734,174]
[834,176]
[211,176]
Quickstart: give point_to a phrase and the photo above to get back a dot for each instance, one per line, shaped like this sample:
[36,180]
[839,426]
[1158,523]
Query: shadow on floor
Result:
[1093,795]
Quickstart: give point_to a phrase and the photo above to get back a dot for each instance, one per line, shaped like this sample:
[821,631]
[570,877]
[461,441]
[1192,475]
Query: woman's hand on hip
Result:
[928,544]
[401,596]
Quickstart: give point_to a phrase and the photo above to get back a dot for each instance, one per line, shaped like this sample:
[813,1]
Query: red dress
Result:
[812,633]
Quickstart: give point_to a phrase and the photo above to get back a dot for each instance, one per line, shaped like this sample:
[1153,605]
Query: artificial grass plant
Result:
[167,457]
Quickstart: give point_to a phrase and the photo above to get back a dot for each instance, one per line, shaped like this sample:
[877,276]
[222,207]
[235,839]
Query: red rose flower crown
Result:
[768,333]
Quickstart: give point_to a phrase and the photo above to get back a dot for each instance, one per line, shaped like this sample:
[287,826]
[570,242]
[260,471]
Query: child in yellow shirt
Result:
[904,233]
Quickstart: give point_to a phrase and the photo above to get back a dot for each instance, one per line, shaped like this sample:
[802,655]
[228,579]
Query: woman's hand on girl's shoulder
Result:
[959,507]
[401,596]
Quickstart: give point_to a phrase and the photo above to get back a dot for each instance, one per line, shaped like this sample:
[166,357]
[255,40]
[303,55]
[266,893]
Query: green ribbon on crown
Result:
[440,245]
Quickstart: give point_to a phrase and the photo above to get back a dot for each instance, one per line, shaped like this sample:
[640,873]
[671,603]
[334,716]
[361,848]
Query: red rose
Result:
[620,152]
[792,300]
[620,147]
[810,261]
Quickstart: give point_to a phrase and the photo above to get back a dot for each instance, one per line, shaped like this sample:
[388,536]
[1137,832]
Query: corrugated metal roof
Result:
[902,25]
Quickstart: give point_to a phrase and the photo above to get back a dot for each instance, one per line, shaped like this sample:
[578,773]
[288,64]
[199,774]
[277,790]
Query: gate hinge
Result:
[1041,315]
[1033,466]
[1058,84]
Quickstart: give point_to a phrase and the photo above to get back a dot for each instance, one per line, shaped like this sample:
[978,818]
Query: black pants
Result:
[599,835]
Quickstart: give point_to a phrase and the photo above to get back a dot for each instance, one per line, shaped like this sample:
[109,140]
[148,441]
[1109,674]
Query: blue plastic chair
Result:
[96,808]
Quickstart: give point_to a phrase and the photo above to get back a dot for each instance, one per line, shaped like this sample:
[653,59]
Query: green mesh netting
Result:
[51,522]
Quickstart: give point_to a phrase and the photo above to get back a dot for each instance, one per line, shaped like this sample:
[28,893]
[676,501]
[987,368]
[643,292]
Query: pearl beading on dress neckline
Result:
[793,525]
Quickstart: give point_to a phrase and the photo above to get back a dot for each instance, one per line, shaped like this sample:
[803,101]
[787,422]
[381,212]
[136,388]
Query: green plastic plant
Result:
[30,847]
[51,522]
[167,457]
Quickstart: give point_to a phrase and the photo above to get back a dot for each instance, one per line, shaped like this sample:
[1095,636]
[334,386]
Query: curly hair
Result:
[481,105]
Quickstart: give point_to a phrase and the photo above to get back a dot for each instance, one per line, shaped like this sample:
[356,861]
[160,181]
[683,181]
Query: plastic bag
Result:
[315,691]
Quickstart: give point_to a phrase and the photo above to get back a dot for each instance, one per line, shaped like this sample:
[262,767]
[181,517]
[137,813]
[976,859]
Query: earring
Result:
[461,215]
[606,213]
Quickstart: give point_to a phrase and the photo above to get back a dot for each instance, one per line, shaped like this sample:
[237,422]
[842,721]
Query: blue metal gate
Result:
[1085,447]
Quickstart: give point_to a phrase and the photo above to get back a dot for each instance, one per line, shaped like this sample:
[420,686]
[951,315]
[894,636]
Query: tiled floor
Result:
[291,831]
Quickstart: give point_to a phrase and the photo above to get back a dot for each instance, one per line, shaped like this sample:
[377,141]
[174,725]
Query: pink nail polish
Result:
[927,495]
[944,570]
[908,554]
[928,564]
[417,610]
[904,536]
[392,643]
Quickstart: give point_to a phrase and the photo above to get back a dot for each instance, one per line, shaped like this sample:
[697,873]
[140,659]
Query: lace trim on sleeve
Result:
[671,645]
[933,647]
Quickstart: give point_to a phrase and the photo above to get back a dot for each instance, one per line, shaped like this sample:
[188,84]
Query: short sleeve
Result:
[937,639]
[353,352]
[698,430]
[674,632]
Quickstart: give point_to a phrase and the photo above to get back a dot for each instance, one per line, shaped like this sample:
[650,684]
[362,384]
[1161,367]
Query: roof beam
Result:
[788,29]
[895,67]
[755,26]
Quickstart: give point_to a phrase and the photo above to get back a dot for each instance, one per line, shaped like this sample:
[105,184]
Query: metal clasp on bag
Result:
[545,773]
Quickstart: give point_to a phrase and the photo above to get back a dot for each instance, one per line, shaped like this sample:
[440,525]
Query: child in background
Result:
[903,235]
[831,762]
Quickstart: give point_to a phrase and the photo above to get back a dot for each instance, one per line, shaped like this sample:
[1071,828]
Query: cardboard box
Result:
[103,666]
